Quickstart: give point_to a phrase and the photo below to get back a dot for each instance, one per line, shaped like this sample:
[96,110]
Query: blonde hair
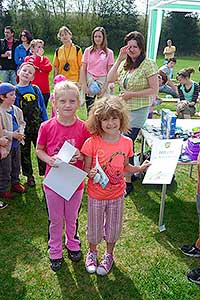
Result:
[64,87]
[106,107]
[35,42]
[64,29]
[24,64]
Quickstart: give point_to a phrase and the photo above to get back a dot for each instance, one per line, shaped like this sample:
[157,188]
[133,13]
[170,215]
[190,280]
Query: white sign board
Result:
[164,158]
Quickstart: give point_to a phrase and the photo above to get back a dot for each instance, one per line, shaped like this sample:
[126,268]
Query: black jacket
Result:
[5,63]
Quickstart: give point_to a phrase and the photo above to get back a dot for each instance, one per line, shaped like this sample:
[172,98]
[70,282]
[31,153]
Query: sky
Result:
[141,5]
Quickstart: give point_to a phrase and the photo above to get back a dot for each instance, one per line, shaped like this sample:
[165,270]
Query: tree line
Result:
[44,17]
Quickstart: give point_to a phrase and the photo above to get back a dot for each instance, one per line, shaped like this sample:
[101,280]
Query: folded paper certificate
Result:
[164,158]
[65,178]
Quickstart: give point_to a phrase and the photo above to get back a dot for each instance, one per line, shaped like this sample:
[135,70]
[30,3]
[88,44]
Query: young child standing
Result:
[30,100]
[43,68]
[65,126]
[107,119]
[12,124]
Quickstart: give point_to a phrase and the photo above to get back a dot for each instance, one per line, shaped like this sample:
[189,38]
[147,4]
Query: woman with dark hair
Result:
[23,49]
[97,61]
[138,81]
[188,91]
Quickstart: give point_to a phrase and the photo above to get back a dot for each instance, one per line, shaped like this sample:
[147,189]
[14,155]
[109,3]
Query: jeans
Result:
[10,169]
[167,90]
[9,76]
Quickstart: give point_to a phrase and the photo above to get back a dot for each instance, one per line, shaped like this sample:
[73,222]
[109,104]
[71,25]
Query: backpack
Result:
[31,111]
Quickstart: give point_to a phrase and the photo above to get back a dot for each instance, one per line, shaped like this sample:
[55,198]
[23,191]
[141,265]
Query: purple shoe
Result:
[105,265]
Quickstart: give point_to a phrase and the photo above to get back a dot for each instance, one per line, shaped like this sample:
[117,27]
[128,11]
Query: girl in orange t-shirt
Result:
[106,159]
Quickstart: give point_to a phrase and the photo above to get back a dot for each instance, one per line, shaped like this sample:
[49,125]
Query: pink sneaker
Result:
[91,262]
[105,265]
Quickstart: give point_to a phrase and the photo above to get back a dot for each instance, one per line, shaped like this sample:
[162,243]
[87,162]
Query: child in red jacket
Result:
[43,67]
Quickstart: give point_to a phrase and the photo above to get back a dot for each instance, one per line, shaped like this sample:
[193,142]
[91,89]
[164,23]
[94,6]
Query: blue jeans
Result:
[9,76]
[167,90]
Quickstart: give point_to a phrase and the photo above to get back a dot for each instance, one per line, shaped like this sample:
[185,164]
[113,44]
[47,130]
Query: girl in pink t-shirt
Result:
[97,61]
[107,154]
[65,126]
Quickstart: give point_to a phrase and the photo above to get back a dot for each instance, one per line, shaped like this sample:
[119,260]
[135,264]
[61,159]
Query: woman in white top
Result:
[97,61]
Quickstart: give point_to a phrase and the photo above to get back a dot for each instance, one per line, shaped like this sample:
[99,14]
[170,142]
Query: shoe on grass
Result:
[105,265]
[75,256]
[7,195]
[18,188]
[56,264]
[190,250]
[91,262]
[194,276]
[3,205]
[30,181]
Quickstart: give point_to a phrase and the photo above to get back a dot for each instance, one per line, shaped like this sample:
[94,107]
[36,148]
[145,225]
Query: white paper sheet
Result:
[65,178]
[164,158]
[66,152]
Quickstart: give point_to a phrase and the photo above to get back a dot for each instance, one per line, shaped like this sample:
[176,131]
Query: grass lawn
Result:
[148,264]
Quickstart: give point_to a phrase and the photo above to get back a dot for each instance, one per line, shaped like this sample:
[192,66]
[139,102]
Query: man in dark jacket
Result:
[7,50]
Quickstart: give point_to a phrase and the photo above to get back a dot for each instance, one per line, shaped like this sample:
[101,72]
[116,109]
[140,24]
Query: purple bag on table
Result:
[193,148]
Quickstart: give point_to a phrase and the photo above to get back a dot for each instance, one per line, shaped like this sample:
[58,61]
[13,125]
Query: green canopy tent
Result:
[156,12]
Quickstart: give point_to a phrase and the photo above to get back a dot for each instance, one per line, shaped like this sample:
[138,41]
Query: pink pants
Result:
[60,210]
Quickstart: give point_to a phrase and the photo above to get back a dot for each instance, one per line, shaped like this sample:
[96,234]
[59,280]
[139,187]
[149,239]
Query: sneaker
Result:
[190,250]
[194,276]
[7,195]
[129,188]
[91,262]
[31,181]
[105,265]
[75,256]
[18,187]
[56,264]
[3,205]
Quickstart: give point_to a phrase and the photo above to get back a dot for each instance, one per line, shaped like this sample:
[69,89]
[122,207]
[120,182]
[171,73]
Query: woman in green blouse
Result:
[138,82]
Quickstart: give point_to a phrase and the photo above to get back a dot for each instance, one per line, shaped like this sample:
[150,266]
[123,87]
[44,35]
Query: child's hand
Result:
[40,51]
[92,173]
[51,161]
[3,152]
[76,156]
[145,165]
[4,141]
[18,136]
